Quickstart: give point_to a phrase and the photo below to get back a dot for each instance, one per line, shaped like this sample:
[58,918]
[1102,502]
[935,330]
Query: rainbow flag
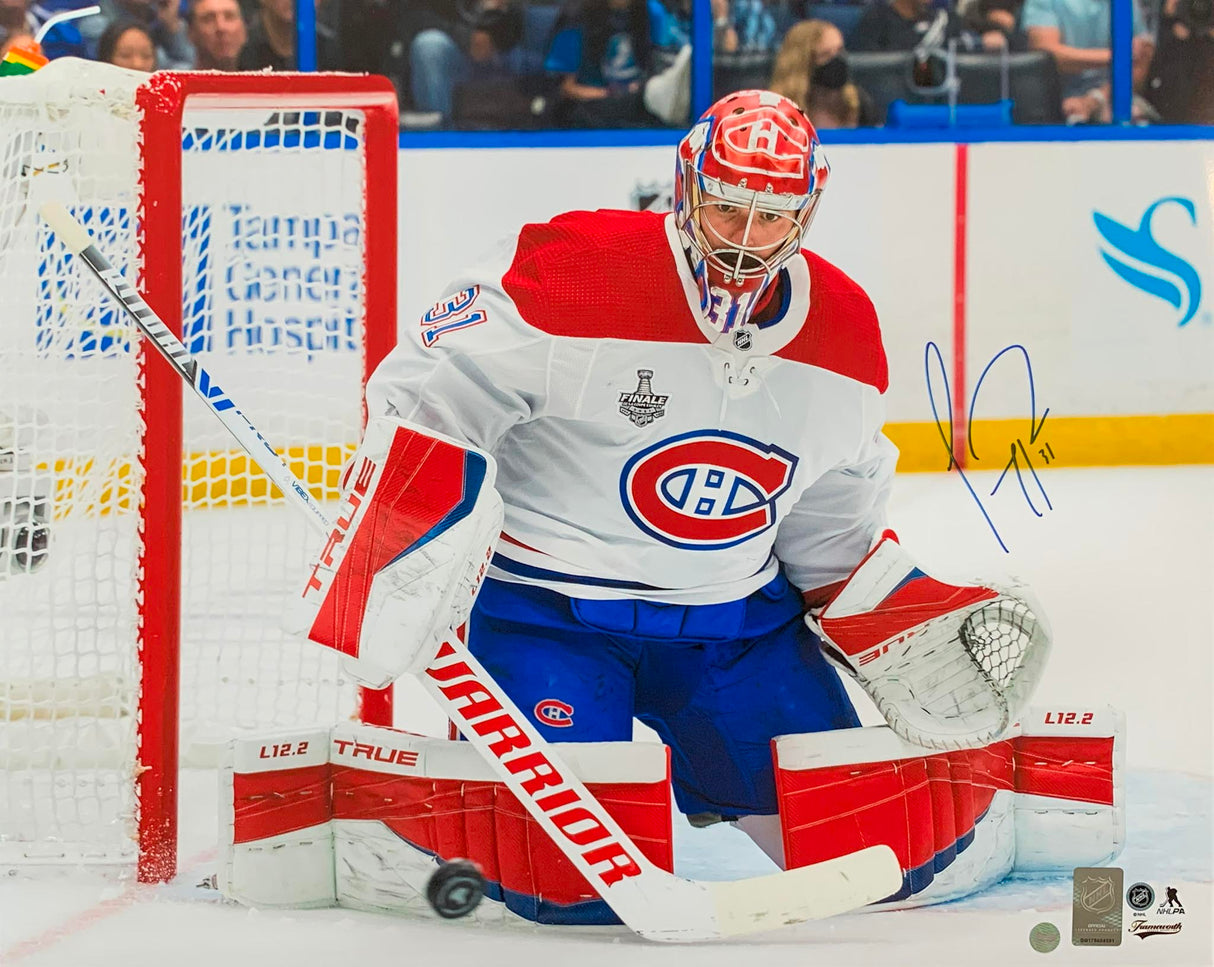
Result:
[23,57]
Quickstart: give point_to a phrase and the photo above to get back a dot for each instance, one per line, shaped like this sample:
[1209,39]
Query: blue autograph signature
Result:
[1018,450]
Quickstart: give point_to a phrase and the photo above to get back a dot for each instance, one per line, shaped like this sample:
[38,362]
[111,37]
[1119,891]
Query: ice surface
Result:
[1123,563]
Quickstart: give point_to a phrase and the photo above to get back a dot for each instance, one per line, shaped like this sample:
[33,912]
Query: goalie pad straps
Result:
[389,805]
[948,666]
[406,557]
[1049,798]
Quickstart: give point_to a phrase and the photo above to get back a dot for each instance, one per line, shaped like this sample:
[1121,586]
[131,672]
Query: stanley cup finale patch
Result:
[642,406]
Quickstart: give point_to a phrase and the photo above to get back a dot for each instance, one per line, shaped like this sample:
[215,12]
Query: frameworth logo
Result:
[1141,261]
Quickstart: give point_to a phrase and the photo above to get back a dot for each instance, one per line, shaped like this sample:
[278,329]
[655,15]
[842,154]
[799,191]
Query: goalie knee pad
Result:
[1047,798]
[369,826]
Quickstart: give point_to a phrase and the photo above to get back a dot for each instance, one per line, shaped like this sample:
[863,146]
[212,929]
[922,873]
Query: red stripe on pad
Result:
[279,801]
[910,605]
[484,822]
[1066,767]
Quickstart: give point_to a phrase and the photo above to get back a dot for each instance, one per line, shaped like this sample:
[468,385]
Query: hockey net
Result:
[257,212]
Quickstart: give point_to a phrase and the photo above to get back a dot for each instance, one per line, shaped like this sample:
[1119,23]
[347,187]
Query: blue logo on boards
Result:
[1141,261]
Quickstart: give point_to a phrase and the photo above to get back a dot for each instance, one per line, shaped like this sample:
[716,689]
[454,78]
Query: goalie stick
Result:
[655,904]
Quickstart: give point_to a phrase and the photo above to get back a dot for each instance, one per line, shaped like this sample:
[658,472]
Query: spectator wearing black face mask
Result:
[1180,81]
[811,70]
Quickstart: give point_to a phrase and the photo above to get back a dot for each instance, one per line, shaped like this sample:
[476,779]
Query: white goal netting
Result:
[272,251]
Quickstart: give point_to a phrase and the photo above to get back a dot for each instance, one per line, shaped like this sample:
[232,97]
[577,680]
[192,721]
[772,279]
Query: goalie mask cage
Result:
[144,562]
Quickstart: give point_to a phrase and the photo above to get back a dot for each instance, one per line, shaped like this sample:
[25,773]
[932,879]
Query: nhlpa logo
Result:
[705,490]
[1141,261]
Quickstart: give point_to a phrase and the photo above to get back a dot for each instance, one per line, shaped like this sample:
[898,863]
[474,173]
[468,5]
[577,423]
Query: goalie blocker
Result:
[406,557]
[361,816]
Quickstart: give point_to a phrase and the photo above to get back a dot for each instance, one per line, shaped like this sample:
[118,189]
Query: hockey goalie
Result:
[639,457]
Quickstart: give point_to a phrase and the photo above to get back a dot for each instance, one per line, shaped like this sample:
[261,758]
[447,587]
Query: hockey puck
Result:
[455,888]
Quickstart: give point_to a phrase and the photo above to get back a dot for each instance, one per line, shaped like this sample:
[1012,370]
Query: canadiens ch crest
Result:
[642,406]
[707,489]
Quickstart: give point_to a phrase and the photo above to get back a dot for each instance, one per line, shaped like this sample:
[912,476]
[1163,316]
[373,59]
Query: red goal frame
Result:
[162,101]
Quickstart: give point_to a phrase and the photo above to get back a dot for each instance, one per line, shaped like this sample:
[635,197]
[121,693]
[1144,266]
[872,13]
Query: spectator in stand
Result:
[16,20]
[19,18]
[455,42]
[1180,82]
[160,18]
[811,70]
[368,34]
[125,43]
[903,25]
[744,25]
[601,52]
[1077,33]
[751,24]
[997,23]
[271,41]
[217,31]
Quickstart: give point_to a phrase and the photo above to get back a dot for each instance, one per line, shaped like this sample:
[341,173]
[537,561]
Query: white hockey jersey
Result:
[642,452]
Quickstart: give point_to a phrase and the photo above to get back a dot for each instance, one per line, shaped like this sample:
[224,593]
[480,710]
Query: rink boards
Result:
[1096,257]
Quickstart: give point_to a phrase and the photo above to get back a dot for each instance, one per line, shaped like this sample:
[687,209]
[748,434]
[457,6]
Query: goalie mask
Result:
[747,182]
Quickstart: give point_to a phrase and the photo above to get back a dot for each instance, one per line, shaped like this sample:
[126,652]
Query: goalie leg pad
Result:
[275,832]
[1070,788]
[439,798]
[395,806]
[1050,798]
[842,791]
[407,555]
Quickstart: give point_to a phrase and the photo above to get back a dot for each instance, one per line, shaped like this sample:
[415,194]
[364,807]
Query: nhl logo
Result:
[649,196]
[643,406]
[1097,894]
[1140,896]
[742,340]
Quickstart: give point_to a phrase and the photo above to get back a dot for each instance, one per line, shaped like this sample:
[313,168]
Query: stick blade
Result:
[71,233]
[809,893]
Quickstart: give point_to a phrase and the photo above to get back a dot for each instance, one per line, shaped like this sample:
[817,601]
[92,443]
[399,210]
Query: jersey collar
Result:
[765,339]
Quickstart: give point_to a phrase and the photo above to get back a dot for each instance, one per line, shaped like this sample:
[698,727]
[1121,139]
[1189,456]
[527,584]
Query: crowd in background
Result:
[626,63]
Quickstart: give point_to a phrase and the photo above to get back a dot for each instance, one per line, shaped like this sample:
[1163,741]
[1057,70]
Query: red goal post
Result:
[163,100]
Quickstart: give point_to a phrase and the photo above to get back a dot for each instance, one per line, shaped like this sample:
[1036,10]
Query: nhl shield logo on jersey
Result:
[642,406]
[707,489]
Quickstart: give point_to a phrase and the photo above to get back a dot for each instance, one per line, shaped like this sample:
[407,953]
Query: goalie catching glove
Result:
[404,562]
[948,666]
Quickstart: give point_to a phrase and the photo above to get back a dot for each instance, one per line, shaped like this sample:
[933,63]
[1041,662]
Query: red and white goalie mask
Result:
[747,182]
